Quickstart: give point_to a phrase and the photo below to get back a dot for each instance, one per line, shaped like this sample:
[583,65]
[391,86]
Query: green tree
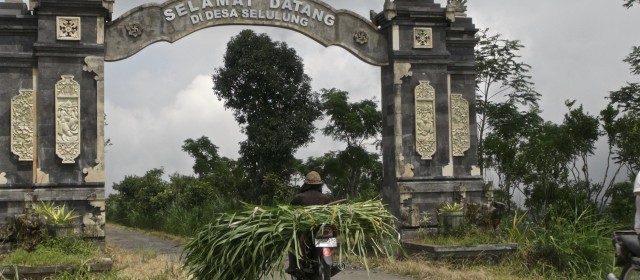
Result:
[222,174]
[140,199]
[263,82]
[352,123]
[622,119]
[583,131]
[502,78]
[510,131]
[352,172]
[546,162]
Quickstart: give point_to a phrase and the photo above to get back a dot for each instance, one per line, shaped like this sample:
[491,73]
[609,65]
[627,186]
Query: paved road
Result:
[134,241]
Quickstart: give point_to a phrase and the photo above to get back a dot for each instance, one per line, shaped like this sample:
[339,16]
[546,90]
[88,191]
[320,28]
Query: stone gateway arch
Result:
[52,55]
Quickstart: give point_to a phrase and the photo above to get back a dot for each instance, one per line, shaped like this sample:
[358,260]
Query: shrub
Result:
[572,242]
[55,214]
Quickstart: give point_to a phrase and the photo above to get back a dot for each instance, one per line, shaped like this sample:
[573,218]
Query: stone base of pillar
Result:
[423,196]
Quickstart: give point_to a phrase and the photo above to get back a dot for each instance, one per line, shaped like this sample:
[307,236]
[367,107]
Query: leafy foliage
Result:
[634,60]
[354,171]
[621,117]
[630,3]
[263,82]
[55,214]
[179,206]
[621,207]
[352,123]
[64,251]
[249,244]
[502,80]
[572,243]
[220,174]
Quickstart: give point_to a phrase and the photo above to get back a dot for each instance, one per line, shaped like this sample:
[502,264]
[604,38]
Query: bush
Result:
[54,251]
[571,244]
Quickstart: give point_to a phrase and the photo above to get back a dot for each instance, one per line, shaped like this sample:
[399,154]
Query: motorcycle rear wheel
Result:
[630,272]
[324,270]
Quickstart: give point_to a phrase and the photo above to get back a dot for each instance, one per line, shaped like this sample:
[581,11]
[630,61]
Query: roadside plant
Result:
[448,208]
[425,218]
[55,214]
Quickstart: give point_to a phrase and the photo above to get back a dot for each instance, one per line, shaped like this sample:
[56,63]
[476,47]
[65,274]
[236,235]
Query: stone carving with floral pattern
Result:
[425,120]
[67,119]
[460,136]
[22,125]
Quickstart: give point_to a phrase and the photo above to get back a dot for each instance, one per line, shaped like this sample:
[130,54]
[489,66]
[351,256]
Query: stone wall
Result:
[51,147]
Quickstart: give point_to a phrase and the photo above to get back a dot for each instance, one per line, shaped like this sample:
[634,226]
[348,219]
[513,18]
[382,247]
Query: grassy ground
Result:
[146,264]
[143,265]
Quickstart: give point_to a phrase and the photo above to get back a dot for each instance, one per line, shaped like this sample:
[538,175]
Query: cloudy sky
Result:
[161,96]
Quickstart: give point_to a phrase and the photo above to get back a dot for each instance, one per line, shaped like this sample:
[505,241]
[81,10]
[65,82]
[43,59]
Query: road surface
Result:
[135,241]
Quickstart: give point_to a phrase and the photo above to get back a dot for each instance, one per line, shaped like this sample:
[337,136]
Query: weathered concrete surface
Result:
[135,241]
[175,19]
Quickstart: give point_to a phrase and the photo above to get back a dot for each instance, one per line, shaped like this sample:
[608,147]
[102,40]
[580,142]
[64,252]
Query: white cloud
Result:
[147,138]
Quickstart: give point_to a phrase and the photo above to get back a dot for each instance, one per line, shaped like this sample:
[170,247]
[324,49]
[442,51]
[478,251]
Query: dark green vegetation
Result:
[55,251]
[563,230]
[264,84]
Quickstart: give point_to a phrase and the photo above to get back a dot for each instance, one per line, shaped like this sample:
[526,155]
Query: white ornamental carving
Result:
[68,119]
[22,126]
[460,135]
[425,120]
[68,28]
[423,38]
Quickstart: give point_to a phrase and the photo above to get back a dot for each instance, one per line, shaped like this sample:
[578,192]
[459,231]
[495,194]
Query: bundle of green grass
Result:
[253,243]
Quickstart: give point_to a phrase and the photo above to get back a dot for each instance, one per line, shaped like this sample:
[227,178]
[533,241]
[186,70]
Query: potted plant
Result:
[58,218]
[451,216]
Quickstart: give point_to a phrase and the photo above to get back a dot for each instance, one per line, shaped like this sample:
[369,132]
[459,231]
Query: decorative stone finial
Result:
[389,10]
[456,8]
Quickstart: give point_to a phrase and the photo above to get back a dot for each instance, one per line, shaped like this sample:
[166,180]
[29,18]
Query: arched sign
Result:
[176,19]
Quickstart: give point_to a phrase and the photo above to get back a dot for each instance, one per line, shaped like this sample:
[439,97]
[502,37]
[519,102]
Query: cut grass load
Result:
[253,243]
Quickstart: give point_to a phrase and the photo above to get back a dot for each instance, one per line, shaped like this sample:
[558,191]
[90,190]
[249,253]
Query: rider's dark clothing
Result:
[310,195]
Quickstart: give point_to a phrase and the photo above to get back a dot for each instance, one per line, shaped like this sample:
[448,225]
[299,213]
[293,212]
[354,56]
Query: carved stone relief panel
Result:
[68,28]
[425,120]
[460,135]
[134,29]
[68,119]
[22,125]
[423,38]
[361,37]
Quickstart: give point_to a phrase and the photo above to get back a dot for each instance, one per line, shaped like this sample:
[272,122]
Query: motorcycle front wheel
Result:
[630,272]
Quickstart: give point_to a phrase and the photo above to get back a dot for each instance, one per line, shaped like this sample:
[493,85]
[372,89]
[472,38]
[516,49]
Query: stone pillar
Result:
[58,62]
[18,80]
[428,103]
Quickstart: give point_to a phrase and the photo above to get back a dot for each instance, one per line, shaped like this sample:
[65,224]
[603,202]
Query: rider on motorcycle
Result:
[310,194]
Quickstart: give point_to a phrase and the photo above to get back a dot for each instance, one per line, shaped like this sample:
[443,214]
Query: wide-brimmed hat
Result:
[313,178]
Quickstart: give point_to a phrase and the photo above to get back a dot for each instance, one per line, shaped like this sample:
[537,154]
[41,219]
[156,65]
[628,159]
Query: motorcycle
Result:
[317,263]
[627,255]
